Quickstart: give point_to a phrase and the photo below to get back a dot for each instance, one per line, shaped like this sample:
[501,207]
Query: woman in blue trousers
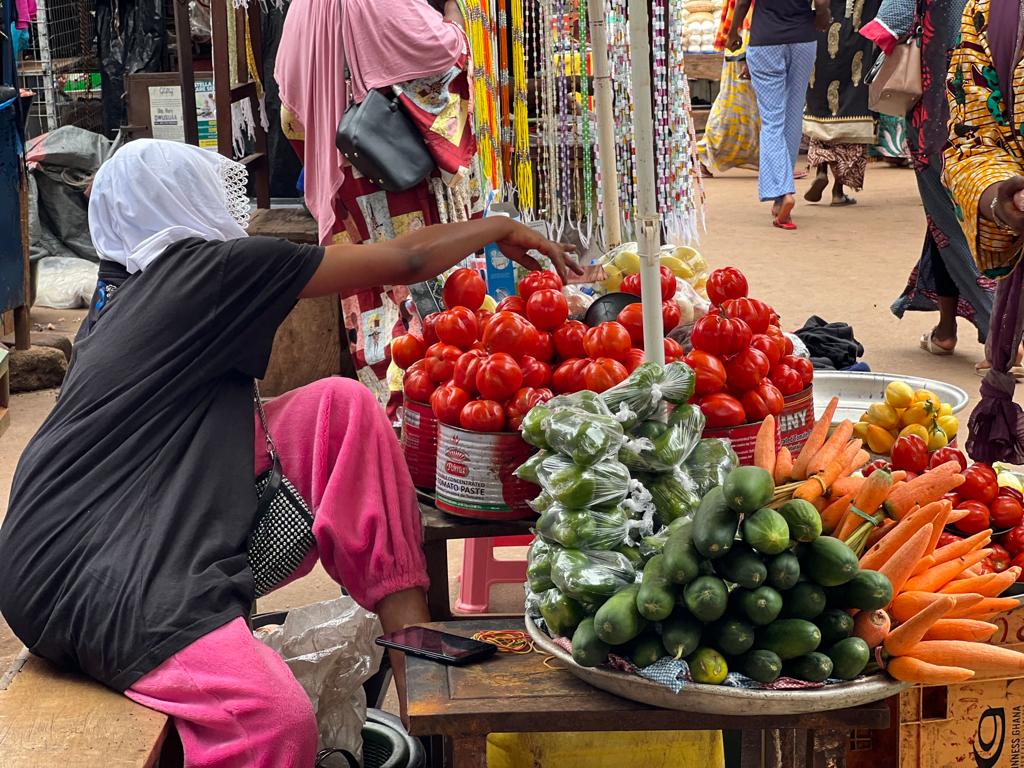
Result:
[780,58]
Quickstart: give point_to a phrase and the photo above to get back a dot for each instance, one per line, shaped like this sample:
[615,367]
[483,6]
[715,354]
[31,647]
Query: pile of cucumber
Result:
[737,587]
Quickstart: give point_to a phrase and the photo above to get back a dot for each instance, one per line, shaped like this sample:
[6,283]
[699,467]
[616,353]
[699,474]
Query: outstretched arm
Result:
[427,252]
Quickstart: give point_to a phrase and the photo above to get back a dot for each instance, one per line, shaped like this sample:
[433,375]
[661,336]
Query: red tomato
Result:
[745,369]
[980,483]
[521,403]
[785,343]
[466,367]
[1006,512]
[608,340]
[999,559]
[458,327]
[429,334]
[910,452]
[440,361]
[709,370]
[668,283]
[726,283]
[418,386]
[943,455]
[673,351]
[569,340]
[632,319]
[535,373]
[788,380]
[631,284]
[447,402]
[953,498]
[874,466]
[498,377]
[515,304]
[1014,541]
[482,317]
[802,365]
[464,288]
[768,346]
[722,410]
[604,373]
[762,401]
[753,312]
[720,335]
[977,520]
[544,348]
[947,538]
[547,309]
[1019,562]
[568,377]
[483,416]
[538,280]
[670,315]
[508,332]
[407,349]
[635,358]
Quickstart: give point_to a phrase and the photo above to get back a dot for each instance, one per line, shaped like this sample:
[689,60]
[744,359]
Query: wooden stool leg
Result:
[438,601]
[826,748]
[469,752]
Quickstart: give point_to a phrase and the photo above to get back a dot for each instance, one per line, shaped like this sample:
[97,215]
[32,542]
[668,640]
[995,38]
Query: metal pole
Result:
[646,198]
[605,122]
[46,63]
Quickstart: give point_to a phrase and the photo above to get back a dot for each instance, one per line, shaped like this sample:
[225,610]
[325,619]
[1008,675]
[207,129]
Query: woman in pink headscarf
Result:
[420,53]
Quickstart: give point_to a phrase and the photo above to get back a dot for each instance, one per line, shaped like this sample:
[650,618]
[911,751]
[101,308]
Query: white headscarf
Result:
[153,193]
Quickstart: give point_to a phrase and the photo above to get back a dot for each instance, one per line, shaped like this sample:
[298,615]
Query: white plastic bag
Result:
[66,282]
[330,649]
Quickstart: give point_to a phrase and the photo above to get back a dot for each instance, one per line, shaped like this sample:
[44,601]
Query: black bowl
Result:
[607,308]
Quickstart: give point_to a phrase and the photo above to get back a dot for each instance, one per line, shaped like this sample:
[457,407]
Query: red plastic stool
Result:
[480,571]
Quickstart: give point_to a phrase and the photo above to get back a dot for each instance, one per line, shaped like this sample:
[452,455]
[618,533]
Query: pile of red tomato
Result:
[483,371]
[744,362]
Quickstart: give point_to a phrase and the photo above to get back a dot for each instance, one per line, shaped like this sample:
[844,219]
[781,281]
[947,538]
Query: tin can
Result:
[475,474]
[743,439]
[797,419]
[419,442]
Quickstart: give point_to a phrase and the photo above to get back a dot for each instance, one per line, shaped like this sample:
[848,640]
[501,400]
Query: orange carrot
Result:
[817,485]
[873,492]
[833,446]
[956,515]
[815,440]
[847,486]
[834,512]
[937,577]
[939,524]
[764,446]
[910,670]
[899,536]
[879,531]
[986,608]
[989,584]
[961,629]
[859,459]
[962,547]
[899,475]
[982,658]
[930,486]
[910,633]
[898,567]
[871,627]
[923,564]
[783,466]
[907,605]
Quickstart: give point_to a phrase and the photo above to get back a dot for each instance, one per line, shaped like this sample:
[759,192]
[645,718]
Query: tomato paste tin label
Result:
[419,442]
[743,439]
[797,419]
[475,474]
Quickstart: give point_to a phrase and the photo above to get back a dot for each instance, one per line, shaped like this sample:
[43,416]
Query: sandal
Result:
[788,225]
[928,345]
[1017,371]
[844,200]
[813,194]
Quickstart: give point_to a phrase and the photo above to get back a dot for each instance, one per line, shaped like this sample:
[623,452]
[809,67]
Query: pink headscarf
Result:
[384,43]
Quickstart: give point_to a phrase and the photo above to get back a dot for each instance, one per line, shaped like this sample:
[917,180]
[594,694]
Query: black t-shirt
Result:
[780,22]
[125,539]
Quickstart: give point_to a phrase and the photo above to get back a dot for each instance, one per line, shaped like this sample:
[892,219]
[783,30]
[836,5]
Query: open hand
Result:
[521,239]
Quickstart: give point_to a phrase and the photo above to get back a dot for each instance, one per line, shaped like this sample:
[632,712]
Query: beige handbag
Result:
[894,83]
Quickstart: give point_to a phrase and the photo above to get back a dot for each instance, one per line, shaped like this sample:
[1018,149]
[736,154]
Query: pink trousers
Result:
[234,701]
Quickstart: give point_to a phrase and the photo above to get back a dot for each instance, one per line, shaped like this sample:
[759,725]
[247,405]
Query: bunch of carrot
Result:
[940,608]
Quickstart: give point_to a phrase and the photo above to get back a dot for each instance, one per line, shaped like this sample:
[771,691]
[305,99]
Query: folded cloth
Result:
[831,346]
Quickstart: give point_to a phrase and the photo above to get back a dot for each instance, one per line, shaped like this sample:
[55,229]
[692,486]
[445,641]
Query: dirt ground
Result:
[843,264]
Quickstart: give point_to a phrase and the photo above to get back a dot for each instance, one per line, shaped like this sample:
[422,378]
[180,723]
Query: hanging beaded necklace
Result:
[662,139]
[485,111]
[504,93]
[523,171]
[683,195]
[622,101]
[587,170]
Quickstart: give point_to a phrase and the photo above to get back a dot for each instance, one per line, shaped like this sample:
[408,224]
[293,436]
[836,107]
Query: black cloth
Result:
[126,536]
[781,22]
[832,346]
[838,89]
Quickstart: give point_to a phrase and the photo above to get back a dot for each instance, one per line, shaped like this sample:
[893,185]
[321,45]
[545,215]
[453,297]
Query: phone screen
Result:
[438,643]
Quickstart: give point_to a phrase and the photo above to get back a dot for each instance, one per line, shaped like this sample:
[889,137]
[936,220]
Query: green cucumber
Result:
[732,637]
[706,598]
[868,591]
[783,570]
[789,638]
[681,564]
[760,606]
[762,666]
[743,566]
[654,599]
[829,561]
[646,650]
[804,601]
[803,519]
[618,621]
[766,531]
[747,489]
[680,634]
[835,625]
[849,658]
[714,525]
[588,650]
[813,667]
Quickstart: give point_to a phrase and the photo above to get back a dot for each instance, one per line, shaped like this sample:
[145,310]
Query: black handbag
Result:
[283,534]
[381,142]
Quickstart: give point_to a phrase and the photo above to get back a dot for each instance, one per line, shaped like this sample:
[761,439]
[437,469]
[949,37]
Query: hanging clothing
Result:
[730,137]
[779,74]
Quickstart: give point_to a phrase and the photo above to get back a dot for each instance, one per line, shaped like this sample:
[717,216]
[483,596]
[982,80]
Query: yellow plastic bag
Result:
[626,749]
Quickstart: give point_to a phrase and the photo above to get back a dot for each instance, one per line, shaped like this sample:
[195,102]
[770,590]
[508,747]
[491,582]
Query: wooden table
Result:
[518,694]
[438,530]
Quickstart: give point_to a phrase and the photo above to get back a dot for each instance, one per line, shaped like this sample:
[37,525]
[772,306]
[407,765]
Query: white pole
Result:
[646,198]
[605,122]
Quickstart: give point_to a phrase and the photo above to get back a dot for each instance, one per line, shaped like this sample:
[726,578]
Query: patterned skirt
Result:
[848,161]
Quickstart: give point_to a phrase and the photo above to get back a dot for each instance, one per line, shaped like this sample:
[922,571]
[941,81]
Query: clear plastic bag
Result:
[538,565]
[709,463]
[674,495]
[691,421]
[603,484]
[638,397]
[533,426]
[528,469]
[677,383]
[591,577]
[542,502]
[585,437]
[560,612]
[597,529]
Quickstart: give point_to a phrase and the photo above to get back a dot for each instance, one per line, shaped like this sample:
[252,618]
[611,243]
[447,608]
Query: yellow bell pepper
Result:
[899,394]
[879,440]
[915,429]
[937,439]
[1008,479]
[612,278]
[949,424]
[924,396]
[921,412]
[883,415]
[860,430]
[945,409]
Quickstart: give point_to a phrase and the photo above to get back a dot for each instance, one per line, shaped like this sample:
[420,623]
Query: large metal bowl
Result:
[722,700]
[856,391]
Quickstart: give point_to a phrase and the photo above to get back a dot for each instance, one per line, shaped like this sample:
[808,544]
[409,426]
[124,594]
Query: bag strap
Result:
[344,58]
[275,473]
[263,420]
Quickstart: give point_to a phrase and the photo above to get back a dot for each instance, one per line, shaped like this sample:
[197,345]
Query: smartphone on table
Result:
[437,646]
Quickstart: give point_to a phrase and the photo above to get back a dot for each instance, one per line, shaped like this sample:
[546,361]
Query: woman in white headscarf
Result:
[124,552]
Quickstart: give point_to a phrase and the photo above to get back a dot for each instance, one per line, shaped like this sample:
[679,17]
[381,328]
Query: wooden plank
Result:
[55,718]
[307,346]
[703,66]
[293,224]
[437,526]
[186,72]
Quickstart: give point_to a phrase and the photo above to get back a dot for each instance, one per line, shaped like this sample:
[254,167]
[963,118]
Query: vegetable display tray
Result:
[856,391]
[718,699]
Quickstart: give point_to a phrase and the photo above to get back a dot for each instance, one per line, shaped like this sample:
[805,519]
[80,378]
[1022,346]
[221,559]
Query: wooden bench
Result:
[48,717]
